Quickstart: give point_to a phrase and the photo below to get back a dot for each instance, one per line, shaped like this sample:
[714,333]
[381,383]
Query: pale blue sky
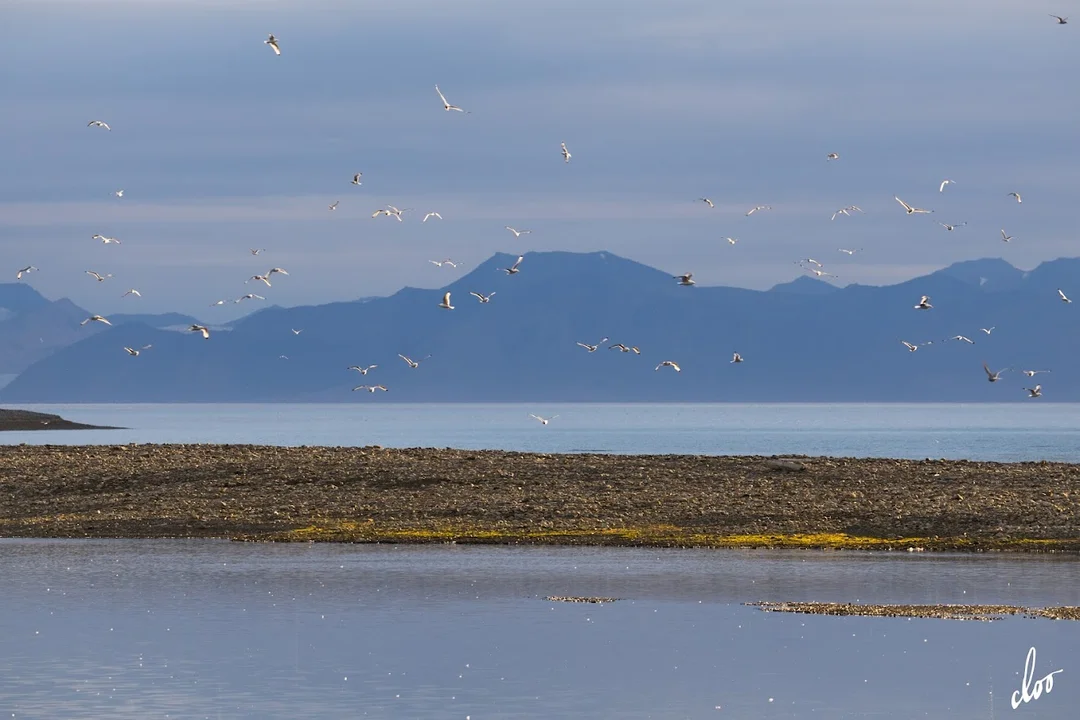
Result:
[221,146]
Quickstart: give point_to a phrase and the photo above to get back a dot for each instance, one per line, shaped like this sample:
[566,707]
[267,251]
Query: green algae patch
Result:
[650,536]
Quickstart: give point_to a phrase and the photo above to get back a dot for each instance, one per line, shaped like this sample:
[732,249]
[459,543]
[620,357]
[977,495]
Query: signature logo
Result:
[1028,691]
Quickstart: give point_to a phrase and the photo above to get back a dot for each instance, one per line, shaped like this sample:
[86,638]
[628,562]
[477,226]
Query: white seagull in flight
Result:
[1016,195]
[832,156]
[249,296]
[445,304]
[119,193]
[272,42]
[105,240]
[565,153]
[1035,391]
[686,279]
[98,123]
[910,210]
[513,269]
[98,276]
[518,233]
[25,270]
[1033,373]
[413,363]
[669,363]
[736,358]
[950,228]
[333,205]
[481,298]
[255,251]
[295,331]
[924,303]
[993,376]
[200,329]
[543,421]
[263,278]
[1064,299]
[909,346]
[362,370]
[963,338]
[755,209]
[370,388]
[132,291]
[593,348]
[96,318]
[440,263]
[1060,20]
[988,330]
[430,215]
[356,179]
[390,211]
[846,251]
[1004,237]
[707,201]
[447,106]
[941,188]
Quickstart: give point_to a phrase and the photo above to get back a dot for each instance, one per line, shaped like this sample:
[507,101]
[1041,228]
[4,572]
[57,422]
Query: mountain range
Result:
[802,341]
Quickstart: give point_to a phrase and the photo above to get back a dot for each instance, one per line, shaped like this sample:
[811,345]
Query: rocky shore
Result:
[27,420]
[373,494]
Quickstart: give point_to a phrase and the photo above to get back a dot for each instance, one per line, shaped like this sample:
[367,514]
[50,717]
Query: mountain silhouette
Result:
[801,341]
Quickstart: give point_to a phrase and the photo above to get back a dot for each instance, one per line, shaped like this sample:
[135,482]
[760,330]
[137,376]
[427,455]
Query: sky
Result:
[221,146]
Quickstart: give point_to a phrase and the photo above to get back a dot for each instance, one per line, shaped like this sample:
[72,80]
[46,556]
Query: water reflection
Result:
[213,629]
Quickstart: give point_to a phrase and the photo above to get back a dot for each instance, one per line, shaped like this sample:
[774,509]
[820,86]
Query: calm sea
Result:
[212,629]
[1005,432]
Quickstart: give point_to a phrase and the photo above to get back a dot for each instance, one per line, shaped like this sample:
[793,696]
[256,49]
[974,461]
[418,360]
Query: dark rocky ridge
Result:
[431,495]
[27,420]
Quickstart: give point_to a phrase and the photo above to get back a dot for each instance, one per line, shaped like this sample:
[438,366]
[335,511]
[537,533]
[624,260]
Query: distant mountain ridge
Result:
[802,341]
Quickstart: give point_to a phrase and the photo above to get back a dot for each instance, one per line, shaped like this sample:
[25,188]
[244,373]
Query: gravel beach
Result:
[374,494]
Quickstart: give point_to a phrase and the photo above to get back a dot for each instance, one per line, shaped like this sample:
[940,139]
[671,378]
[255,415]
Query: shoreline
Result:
[22,420]
[374,494]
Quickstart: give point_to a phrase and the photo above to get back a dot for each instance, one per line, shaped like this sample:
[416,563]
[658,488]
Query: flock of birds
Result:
[809,265]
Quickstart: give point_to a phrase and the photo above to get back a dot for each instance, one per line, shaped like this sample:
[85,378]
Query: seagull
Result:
[812,261]
[370,388]
[1004,237]
[1035,391]
[132,291]
[283,357]
[1061,20]
[513,269]
[909,346]
[391,211]
[950,228]
[941,188]
[356,179]
[731,240]
[1016,195]
[620,346]
[215,304]
[98,276]
[736,358]
[95,318]
[565,153]
[447,106]
[256,252]
[481,298]
[687,279]
[445,304]
[98,123]
[753,210]
[669,363]
[848,252]
[119,193]
[1033,373]
[910,209]
[543,421]
[440,263]
[362,370]
[963,339]
[249,296]
[200,329]
[988,330]
[105,240]
[707,201]
[413,363]
[132,351]
[271,271]
[263,278]
[924,303]
[295,331]
[25,270]
[820,273]
[518,233]
[593,348]
[1064,299]
[333,206]
[847,211]
[272,42]
[832,156]
[992,376]
[431,214]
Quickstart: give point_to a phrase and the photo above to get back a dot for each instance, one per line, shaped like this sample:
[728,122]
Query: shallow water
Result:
[1001,432]
[212,629]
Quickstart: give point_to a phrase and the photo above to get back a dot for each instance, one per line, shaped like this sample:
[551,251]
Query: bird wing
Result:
[446,299]
[441,96]
[906,206]
[476,295]
[1061,294]
[520,258]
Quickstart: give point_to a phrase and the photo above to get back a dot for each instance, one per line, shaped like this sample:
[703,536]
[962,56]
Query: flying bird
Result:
[390,211]
[200,329]
[261,278]
[98,123]
[686,280]
[278,270]
[356,179]
[812,261]
[362,370]
[593,348]
[988,330]
[1061,20]
[370,388]
[1035,391]
[256,251]
[620,347]
[992,376]
[543,421]
[445,304]
[1033,373]
[565,153]
[272,42]
[707,201]
[98,276]
[924,303]
[736,358]
[295,331]
[941,188]
[1015,195]
[518,233]
[910,209]
[950,228]
[440,263]
[832,156]
[24,271]
[1004,237]
[119,193]
[96,318]
[249,296]
[215,304]
[431,214]
[731,240]
[909,346]
[333,205]
[1064,299]
[105,240]
[668,363]
[447,106]
[132,291]
[756,208]
[513,269]
[132,351]
[963,338]
[481,298]
[413,363]
[847,252]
